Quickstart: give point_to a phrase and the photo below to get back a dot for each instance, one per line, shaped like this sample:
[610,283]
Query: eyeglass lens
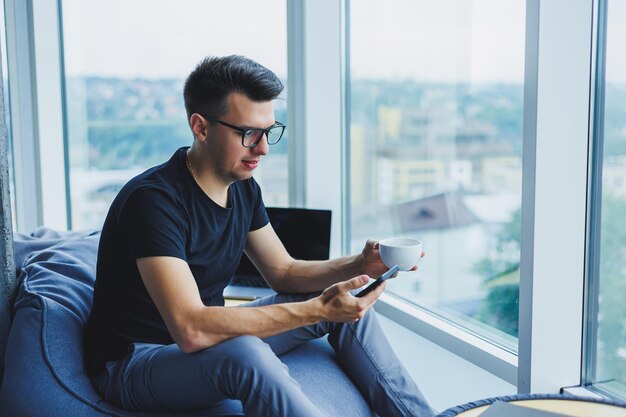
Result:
[253,136]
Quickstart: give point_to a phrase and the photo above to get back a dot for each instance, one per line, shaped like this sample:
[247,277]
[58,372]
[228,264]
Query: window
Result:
[436,115]
[606,359]
[124,73]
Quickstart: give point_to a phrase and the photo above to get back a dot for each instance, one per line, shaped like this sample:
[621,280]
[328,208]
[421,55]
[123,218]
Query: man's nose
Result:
[262,148]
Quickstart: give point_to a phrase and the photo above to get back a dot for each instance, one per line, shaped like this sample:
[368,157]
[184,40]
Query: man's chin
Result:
[242,176]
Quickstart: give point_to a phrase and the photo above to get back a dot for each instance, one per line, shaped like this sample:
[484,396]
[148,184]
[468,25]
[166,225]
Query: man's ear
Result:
[198,127]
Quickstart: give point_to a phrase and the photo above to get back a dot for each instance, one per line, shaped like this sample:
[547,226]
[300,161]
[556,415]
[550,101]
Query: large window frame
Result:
[557,116]
[33,35]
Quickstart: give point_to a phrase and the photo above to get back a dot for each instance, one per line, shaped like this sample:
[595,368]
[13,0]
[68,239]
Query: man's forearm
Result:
[212,325]
[311,276]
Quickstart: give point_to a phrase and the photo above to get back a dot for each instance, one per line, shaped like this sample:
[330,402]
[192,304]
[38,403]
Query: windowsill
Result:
[476,350]
[445,379]
[582,392]
[612,390]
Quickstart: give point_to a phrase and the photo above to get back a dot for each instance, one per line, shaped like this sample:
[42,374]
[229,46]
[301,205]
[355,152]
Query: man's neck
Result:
[209,182]
[215,189]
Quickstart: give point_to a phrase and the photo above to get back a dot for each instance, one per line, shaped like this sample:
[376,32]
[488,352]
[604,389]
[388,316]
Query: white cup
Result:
[400,251]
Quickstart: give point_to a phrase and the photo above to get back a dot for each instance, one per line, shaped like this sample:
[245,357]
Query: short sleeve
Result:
[154,225]
[259,214]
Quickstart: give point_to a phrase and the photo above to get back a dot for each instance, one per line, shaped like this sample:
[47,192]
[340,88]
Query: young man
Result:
[159,336]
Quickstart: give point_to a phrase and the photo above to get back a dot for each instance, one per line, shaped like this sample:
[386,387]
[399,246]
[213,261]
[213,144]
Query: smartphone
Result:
[379,281]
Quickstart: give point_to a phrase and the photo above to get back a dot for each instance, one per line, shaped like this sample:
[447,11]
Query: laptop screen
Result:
[304,232]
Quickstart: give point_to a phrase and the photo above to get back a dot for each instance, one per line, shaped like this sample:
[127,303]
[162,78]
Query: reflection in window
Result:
[124,74]
[608,360]
[436,149]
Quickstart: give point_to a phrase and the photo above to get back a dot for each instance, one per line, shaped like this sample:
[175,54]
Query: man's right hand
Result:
[338,305]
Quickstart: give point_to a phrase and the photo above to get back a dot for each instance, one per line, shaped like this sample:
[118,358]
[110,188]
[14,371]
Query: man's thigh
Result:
[162,377]
[289,340]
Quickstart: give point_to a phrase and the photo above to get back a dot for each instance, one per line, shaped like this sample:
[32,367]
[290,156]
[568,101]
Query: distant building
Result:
[440,211]
[401,180]
[452,210]
[501,174]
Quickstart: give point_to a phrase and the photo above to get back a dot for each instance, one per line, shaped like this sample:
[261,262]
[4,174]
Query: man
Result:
[159,336]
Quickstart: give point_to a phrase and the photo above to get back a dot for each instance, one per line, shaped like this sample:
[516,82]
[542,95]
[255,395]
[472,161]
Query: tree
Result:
[500,308]
[611,318]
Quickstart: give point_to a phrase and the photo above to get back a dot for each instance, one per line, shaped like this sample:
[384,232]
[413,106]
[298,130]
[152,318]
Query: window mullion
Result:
[23,102]
[322,95]
[554,195]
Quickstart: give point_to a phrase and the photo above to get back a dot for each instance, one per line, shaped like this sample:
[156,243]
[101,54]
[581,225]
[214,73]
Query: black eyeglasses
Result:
[252,136]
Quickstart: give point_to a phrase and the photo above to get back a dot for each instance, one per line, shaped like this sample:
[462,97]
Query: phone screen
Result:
[379,281]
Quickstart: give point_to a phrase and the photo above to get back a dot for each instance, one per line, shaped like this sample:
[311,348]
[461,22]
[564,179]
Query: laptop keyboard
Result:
[248,281]
[247,287]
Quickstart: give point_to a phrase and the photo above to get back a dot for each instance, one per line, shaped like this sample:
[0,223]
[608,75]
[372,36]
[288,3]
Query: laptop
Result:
[306,236]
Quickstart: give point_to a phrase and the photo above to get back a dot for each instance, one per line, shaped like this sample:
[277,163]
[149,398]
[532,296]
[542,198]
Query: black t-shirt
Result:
[163,212]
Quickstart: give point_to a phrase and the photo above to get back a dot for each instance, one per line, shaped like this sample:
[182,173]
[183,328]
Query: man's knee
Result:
[239,362]
[370,315]
[245,354]
[344,332]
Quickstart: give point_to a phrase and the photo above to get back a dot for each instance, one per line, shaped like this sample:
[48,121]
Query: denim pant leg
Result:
[162,377]
[365,354]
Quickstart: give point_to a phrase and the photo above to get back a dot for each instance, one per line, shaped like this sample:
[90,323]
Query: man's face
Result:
[232,161]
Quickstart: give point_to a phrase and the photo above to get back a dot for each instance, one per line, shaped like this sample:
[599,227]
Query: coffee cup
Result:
[404,252]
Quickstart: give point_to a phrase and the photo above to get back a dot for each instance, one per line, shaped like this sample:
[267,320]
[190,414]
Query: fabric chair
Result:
[44,374]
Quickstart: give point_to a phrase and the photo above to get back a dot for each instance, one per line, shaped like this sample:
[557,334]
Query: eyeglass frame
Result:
[243,130]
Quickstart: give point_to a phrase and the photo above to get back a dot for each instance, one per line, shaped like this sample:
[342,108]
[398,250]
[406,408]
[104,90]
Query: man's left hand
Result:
[371,264]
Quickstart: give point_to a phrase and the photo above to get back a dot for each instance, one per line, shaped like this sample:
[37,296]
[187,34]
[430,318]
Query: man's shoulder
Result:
[158,185]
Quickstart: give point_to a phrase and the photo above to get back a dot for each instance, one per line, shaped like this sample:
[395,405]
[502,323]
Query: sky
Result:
[443,40]
[162,39]
[424,40]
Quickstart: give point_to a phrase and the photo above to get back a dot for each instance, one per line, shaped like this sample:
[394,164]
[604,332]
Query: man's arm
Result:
[194,326]
[285,274]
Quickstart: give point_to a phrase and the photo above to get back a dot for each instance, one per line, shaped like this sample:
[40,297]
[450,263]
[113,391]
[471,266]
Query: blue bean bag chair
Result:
[44,374]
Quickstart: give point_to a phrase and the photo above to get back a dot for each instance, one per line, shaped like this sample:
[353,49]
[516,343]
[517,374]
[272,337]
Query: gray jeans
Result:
[247,368]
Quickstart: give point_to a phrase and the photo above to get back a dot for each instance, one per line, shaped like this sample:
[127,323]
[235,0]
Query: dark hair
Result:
[210,83]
